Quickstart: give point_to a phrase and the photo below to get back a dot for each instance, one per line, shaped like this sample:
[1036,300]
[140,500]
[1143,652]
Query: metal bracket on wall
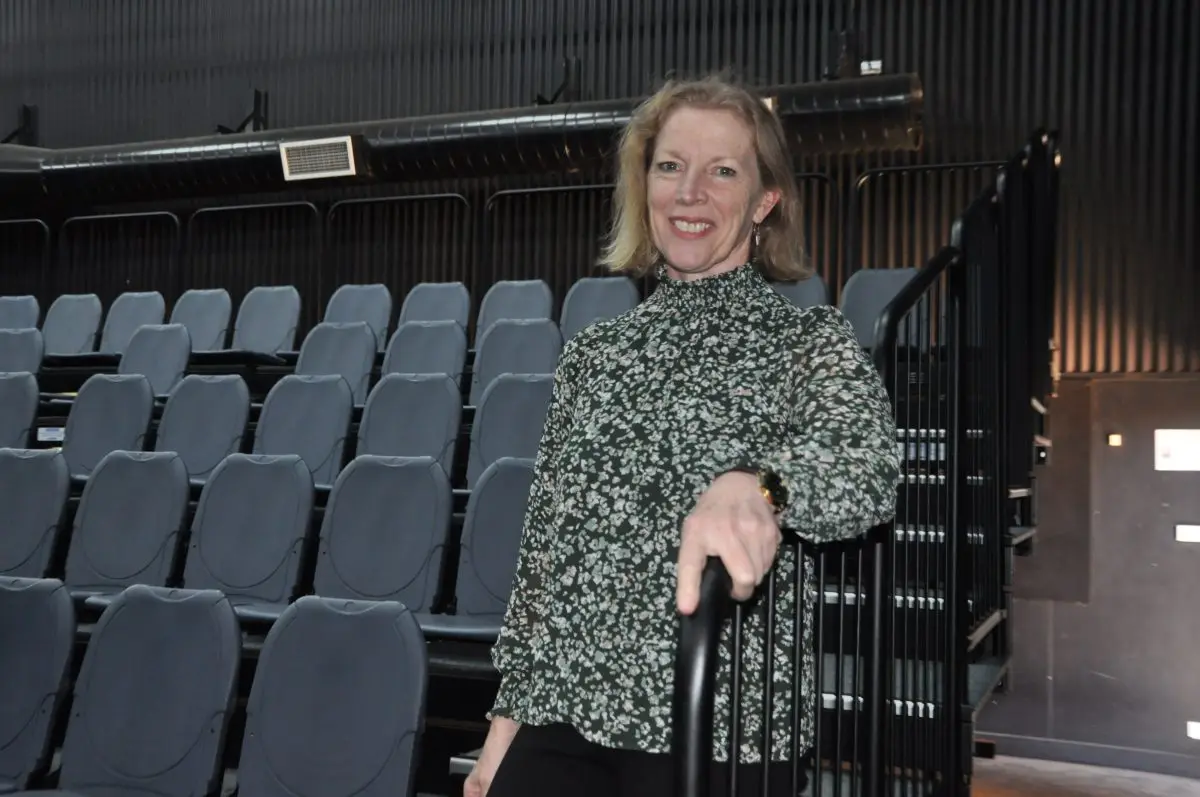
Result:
[568,89]
[257,120]
[26,132]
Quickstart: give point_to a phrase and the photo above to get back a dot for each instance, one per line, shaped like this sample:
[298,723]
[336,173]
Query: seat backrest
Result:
[491,539]
[206,313]
[427,347]
[309,416]
[865,296]
[509,420]
[250,548]
[159,352]
[111,412]
[384,532]
[346,349]
[515,347]
[128,312]
[437,301]
[371,304]
[514,300]
[19,312]
[412,415]
[21,350]
[160,678]
[204,421]
[34,487]
[72,324]
[336,675]
[593,299]
[267,320]
[130,522]
[806,293]
[37,635]
[18,408]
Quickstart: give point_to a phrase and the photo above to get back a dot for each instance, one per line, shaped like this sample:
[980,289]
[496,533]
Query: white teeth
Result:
[691,226]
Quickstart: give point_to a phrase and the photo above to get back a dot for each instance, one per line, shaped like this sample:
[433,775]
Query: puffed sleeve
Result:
[512,652]
[841,462]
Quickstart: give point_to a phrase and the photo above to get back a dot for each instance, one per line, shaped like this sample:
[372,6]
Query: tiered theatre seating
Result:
[21,350]
[205,313]
[19,312]
[437,301]
[34,487]
[18,408]
[427,347]
[155,701]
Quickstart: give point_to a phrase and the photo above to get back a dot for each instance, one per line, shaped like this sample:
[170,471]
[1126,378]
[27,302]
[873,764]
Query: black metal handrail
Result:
[695,680]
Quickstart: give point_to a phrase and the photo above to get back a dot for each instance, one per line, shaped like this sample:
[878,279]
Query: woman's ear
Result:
[766,204]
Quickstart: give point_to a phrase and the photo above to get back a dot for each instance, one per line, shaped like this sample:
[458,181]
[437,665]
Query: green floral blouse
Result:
[647,409]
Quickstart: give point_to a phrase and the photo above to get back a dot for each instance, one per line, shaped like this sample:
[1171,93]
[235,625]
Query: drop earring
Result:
[754,258]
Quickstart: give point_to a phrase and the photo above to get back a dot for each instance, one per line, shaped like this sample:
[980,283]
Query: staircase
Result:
[913,628]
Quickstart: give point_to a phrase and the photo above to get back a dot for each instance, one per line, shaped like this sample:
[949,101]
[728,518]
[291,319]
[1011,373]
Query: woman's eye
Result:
[668,166]
[726,171]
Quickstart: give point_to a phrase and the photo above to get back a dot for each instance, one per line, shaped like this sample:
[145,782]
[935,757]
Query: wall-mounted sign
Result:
[1177,449]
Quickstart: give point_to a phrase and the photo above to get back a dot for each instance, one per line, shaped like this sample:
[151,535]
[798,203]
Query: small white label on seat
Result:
[50,434]
[1193,730]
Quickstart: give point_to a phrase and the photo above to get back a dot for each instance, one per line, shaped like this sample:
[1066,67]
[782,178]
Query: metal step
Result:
[841,783]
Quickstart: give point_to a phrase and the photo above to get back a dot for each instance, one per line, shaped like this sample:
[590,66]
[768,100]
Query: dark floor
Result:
[1020,777]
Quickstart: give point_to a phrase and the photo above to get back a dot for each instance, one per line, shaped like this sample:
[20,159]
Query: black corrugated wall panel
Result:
[1119,77]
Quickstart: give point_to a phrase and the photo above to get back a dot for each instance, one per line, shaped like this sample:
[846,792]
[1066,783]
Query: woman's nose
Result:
[690,190]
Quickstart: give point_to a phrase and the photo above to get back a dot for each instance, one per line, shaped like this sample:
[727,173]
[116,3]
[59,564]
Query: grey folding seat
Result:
[206,313]
[19,312]
[412,415]
[37,635]
[515,347]
[491,540]
[21,350]
[308,416]
[437,301]
[427,347]
[128,313]
[593,299]
[250,532]
[159,352]
[371,304]
[805,293]
[204,421]
[514,300]
[344,349]
[267,319]
[865,296]
[508,421]
[72,324]
[154,696]
[18,408]
[129,525]
[111,412]
[335,675]
[385,531]
[34,487]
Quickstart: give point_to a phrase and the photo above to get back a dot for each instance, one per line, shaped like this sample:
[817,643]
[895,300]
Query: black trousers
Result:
[555,761]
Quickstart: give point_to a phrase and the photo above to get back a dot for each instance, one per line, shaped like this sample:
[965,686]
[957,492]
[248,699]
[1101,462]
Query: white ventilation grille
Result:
[317,159]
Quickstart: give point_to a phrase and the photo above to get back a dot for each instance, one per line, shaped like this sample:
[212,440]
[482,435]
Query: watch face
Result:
[774,483]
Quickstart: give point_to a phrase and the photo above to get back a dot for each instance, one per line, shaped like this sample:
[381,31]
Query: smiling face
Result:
[704,192]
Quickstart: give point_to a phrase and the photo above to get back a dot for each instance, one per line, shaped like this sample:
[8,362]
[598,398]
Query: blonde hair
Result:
[630,247]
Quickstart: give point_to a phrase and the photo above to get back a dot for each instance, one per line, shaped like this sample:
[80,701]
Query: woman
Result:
[695,425]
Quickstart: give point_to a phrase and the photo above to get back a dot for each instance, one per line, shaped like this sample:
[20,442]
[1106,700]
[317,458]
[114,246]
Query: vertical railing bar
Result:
[735,708]
[798,654]
[768,683]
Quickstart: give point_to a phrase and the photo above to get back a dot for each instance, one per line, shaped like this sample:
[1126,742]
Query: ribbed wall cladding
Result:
[1118,77]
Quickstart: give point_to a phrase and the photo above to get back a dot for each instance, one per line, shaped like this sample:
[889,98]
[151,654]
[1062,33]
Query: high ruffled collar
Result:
[741,282]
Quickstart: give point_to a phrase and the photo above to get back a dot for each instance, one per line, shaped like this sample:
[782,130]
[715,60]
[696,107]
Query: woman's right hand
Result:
[499,737]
